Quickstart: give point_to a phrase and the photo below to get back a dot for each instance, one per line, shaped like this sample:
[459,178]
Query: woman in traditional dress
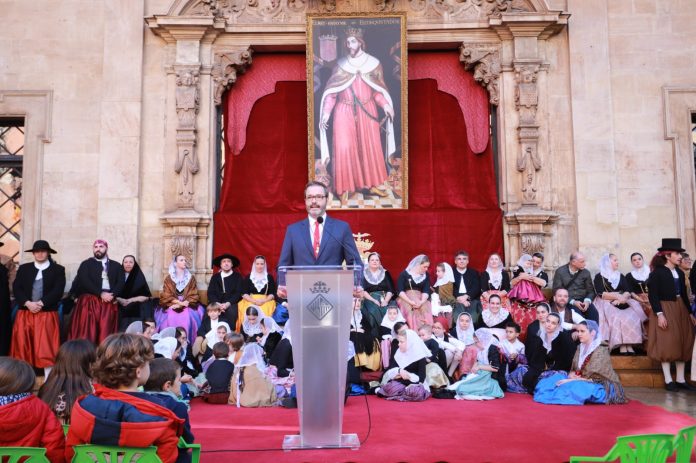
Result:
[670,330]
[405,380]
[550,351]
[258,289]
[251,386]
[495,317]
[378,291]
[414,290]
[442,299]
[487,378]
[620,317]
[462,335]
[366,346]
[135,298]
[179,300]
[495,280]
[592,378]
[387,332]
[528,279]
[637,280]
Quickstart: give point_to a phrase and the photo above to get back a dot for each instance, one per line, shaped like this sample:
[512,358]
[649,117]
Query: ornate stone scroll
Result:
[226,67]
[483,59]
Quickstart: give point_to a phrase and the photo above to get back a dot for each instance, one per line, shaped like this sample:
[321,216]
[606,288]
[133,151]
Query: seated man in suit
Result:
[575,278]
[318,239]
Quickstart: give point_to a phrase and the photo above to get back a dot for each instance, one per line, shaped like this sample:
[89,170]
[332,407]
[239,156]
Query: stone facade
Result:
[592,104]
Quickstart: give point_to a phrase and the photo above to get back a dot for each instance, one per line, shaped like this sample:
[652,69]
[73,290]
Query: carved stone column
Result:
[483,59]
[187,105]
[227,66]
[526,101]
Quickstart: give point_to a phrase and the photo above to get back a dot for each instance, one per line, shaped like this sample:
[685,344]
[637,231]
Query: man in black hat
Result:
[225,287]
[38,289]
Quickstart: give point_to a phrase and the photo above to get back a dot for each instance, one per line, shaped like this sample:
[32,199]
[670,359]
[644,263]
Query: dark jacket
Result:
[89,280]
[661,287]
[219,375]
[486,285]
[472,282]
[579,285]
[53,285]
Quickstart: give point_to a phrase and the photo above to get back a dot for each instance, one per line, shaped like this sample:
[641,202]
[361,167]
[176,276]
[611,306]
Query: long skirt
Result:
[188,318]
[36,338]
[415,318]
[93,319]
[675,344]
[515,378]
[435,376]
[267,308]
[396,390]
[479,385]
[571,393]
[527,292]
[523,314]
[375,312]
[474,310]
[620,326]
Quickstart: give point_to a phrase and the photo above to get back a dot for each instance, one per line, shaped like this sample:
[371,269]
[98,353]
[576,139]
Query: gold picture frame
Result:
[357,108]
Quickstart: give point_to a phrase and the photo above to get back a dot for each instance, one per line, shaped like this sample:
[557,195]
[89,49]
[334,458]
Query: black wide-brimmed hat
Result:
[671,244]
[41,245]
[218,260]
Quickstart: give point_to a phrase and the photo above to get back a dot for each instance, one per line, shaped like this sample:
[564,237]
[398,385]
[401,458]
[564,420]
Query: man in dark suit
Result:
[467,288]
[318,239]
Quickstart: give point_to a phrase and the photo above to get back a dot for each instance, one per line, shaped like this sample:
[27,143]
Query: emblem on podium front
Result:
[320,307]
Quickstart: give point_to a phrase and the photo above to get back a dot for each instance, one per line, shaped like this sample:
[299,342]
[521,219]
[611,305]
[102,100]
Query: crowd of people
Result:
[467,335]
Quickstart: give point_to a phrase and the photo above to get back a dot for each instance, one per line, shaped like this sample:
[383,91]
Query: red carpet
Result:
[511,429]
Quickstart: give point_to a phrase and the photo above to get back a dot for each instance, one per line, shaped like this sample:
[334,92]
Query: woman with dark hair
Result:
[637,280]
[70,378]
[592,378]
[495,317]
[378,291]
[258,289]
[670,335]
[134,301]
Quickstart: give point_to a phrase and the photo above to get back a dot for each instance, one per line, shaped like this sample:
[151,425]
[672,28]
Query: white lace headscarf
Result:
[448,277]
[414,266]
[495,274]
[640,273]
[612,276]
[259,279]
[182,281]
[415,350]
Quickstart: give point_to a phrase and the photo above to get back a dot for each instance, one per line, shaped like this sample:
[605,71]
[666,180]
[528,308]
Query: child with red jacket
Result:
[113,414]
[26,421]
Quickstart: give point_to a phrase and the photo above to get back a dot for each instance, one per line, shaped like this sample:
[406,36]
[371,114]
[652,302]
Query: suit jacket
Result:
[53,285]
[89,281]
[336,245]
[471,282]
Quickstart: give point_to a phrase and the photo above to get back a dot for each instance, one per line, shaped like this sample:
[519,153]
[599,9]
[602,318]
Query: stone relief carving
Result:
[526,102]
[187,105]
[226,67]
[295,11]
[484,61]
[531,243]
[182,245]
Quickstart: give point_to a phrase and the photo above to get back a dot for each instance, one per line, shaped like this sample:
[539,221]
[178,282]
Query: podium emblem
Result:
[320,307]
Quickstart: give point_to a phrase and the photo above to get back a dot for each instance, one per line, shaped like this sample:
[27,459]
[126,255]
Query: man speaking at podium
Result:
[318,239]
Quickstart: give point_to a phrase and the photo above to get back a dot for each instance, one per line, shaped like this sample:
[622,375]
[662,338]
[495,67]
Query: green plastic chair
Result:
[65,429]
[24,454]
[640,448]
[684,444]
[90,453]
[195,450]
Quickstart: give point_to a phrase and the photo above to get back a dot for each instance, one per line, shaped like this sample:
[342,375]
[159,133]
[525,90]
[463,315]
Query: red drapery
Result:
[452,191]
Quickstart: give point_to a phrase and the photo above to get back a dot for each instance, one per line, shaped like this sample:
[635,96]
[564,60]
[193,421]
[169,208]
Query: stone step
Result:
[638,371]
[638,362]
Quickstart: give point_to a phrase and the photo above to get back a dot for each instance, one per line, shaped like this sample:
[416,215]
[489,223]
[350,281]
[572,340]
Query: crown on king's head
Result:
[354,32]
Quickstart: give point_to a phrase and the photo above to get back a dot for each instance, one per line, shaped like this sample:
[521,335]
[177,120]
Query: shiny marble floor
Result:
[683,402]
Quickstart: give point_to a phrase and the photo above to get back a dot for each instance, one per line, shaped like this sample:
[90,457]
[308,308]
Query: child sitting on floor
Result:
[164,384]
[452,347]
[123,364]
[219,375]
[512,348]
[433,368]
[26,420]
[235,341]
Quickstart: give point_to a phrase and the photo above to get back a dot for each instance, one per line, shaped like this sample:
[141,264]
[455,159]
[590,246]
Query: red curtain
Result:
[452,191]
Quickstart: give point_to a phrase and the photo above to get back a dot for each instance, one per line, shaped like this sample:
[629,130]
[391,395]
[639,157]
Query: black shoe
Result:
[685,386]
[291,402]
[672,386]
